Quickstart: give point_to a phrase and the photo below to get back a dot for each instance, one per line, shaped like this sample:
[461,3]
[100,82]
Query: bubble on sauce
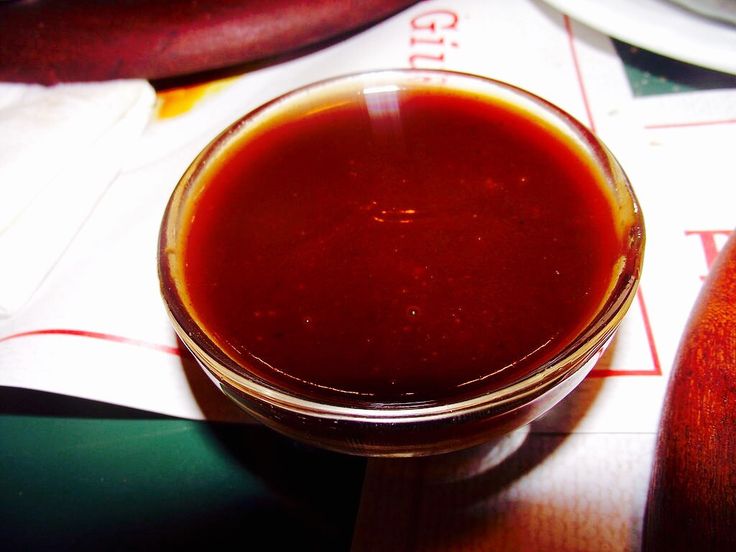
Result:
[413,312]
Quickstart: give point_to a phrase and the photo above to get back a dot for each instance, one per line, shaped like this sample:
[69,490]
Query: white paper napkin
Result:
[60,147]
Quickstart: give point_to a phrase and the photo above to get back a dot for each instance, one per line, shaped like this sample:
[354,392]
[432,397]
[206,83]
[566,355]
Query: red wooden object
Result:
[50,41]
[692,495]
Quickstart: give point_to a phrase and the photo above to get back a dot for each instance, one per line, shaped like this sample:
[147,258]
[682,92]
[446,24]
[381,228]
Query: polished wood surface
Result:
[50,41]
[692,494]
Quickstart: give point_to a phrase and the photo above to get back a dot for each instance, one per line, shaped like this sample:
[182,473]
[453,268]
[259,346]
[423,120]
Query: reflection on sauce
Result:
[409,246]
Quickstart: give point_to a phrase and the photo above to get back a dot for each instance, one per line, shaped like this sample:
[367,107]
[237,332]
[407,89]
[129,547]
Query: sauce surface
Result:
[398,247]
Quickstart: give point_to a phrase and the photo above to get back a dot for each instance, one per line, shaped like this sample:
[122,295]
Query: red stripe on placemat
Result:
[656,369]
[656,126]
[614,373]
[96,335]
[649,333]
[578,72]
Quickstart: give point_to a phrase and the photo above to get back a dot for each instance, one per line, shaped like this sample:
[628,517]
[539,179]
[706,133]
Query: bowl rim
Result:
[542,379]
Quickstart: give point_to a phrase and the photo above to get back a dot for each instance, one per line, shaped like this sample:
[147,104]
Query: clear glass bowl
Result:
[406,429]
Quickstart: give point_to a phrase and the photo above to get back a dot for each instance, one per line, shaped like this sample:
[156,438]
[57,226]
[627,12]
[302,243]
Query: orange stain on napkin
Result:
[178,101]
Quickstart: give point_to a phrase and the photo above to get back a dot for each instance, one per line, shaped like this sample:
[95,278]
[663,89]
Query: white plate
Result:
[659,26]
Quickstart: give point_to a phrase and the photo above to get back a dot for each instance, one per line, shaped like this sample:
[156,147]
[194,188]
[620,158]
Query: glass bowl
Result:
[403,428]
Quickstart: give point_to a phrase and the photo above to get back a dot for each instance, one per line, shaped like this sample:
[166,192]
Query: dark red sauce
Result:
[415,248]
